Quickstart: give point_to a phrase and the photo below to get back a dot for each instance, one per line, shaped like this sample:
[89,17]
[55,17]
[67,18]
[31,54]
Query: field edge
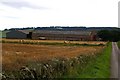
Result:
[98,67]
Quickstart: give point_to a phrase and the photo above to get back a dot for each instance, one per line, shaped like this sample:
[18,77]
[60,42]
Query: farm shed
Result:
[18,34]
[4,34]
[63,35]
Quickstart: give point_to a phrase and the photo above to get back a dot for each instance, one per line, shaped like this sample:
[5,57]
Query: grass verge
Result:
[118,44]
[98,67]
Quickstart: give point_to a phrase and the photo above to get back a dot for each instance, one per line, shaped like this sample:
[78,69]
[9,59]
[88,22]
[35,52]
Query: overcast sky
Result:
[90,13]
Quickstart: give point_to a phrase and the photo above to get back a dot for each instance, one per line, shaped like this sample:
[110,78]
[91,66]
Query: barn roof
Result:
[25,31]
[62,32]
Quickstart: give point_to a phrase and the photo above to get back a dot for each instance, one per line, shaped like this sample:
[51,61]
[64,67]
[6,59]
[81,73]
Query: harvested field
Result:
[16,55]
[56,41]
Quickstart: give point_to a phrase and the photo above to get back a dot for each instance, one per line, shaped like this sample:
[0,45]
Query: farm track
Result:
[18,55]
[115,61]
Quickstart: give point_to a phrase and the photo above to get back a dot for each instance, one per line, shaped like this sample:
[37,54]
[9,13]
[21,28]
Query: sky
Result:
[41,13]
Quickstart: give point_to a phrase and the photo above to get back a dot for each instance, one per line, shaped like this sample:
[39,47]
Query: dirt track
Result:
[115,61]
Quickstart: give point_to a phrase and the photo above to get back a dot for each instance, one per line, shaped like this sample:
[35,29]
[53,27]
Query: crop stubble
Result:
[16,55]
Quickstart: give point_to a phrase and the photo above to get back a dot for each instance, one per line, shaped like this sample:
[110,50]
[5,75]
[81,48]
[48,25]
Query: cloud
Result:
[20,4]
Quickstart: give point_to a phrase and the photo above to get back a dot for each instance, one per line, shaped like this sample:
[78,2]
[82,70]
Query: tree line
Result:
[109,35]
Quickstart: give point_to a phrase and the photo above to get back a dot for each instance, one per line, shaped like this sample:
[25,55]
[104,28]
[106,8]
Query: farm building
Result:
[4,34]
[18,34]
[63,35]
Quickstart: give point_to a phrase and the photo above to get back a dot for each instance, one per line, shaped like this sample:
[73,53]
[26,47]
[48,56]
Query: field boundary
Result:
[98,67]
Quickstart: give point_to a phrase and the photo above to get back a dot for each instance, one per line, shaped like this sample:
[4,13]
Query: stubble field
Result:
[16,55]
[54,41]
